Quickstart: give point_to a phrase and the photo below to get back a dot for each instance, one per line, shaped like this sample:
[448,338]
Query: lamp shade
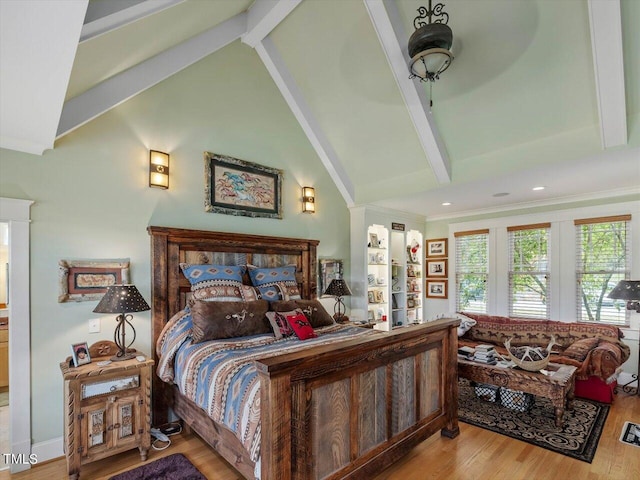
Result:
[626,290]
[122,299]
[338,288]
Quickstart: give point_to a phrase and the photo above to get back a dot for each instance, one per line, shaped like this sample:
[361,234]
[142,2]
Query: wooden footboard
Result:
[344,410]
[348,412]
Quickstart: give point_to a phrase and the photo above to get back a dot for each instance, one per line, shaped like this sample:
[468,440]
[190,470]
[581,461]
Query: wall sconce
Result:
[308,200]
[158,169]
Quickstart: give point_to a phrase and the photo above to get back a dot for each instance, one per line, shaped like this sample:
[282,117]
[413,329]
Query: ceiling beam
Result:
[606,43]
[301,110]
[264,16]
[38,43]
[388,26]
[104,17]
[119,88]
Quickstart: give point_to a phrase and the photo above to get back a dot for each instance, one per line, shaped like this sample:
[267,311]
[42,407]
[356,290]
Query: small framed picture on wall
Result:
[437,268]
[437,247]
[436,289]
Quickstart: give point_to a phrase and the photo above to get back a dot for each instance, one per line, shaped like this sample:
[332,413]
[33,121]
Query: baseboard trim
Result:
[48,450]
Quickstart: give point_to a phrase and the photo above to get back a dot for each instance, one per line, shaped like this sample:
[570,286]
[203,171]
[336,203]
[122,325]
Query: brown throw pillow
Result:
[218,320]
[579,349]
[313,309]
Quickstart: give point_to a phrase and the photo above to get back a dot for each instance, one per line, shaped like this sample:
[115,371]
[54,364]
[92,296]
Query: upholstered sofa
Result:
[596,350]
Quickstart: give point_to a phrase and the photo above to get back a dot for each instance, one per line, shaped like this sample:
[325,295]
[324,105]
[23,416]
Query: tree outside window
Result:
[529,271]
[603,260]
[472,271]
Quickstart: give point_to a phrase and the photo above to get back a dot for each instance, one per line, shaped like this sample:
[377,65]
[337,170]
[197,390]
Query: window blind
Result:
[471,270]
[603,259]
[529,275]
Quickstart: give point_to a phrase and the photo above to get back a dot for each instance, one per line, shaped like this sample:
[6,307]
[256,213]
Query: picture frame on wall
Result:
[238,187]
[437,268]
[87,280]
[80,354]
[437,289]
[330,269]
[437,247]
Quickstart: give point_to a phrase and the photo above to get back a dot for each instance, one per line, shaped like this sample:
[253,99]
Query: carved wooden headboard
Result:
[172,246]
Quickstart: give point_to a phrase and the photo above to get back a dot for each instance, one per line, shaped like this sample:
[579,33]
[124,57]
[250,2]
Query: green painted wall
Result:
[92,199]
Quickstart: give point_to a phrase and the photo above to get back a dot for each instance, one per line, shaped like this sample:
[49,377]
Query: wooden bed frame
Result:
[345,410]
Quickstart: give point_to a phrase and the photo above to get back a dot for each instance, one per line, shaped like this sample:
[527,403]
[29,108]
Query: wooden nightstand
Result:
[106,410]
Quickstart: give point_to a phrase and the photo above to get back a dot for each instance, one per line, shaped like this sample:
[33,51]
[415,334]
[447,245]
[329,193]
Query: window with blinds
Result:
[603,251]
[472,270]
[529,271]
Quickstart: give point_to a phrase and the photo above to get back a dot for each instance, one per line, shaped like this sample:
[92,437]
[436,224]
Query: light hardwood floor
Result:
[476,454]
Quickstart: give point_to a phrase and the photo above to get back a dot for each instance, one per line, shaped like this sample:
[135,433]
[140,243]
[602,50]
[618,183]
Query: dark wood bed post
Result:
[162,393]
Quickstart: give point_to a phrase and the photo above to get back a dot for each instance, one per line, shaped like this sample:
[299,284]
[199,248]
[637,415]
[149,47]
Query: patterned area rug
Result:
[172,467]
[578,438]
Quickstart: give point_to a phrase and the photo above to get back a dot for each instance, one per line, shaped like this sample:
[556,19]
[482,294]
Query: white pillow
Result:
[465,322]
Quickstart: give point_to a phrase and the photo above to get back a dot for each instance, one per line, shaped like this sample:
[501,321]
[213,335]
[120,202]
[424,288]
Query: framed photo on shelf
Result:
[371,316]
[437,268]
[80,354]
[379,296]
[373,240]
[411,303]
[371,297]
[436,289]
[373,259]
[437,247]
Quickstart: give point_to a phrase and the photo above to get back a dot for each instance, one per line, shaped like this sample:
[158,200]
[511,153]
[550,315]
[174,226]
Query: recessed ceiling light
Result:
[538,188]
[501,194]
[446,204]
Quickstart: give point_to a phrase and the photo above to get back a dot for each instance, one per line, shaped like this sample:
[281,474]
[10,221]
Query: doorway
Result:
[4,342]
[16,213]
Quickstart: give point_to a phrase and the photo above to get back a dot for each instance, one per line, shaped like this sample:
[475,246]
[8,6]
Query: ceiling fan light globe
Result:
[429,64]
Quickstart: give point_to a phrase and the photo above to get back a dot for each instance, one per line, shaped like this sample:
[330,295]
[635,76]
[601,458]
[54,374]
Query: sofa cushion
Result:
[579,349]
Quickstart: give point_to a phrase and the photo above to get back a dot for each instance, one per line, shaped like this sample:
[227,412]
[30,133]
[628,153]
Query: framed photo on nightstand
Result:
[80,354]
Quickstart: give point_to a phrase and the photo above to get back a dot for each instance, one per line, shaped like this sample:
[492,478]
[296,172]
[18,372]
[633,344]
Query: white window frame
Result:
[618,314]
[532,309]
[476,270]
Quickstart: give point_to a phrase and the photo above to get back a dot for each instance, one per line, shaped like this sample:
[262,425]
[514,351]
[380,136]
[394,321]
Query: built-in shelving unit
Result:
[386,276]
[377,273]
[414,276]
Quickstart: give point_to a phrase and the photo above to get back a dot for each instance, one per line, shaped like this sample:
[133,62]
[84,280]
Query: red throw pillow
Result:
[301,326]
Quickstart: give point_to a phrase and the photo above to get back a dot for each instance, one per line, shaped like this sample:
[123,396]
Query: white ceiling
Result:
[540,93]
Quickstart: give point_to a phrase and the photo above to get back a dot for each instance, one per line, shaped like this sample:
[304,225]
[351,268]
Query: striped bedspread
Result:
[220,376]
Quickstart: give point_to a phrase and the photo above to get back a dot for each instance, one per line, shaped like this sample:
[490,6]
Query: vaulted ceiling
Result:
[540,93]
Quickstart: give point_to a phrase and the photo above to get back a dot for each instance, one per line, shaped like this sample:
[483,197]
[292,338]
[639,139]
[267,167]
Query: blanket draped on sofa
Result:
[596,350]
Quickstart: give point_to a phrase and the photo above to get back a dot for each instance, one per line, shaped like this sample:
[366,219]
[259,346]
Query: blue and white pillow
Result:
[219,283]
[275,283]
